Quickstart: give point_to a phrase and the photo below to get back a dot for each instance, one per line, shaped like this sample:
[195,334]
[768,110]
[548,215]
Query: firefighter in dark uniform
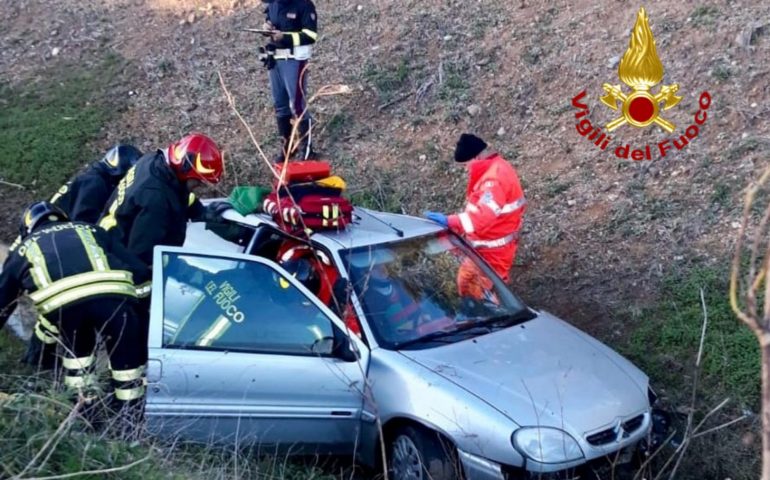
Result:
[83,198]
[82,284]
[155,200]
[294,28]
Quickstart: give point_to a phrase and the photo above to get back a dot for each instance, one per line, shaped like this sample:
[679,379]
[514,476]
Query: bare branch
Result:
[94,472]
[54,438]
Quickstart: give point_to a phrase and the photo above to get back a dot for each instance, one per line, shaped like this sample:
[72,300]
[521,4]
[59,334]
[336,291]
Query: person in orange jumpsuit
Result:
[493,212]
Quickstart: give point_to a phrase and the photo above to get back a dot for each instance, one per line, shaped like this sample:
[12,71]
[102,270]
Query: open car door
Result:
[240,352]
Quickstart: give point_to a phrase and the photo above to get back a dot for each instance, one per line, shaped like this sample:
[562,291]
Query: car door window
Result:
[240,305]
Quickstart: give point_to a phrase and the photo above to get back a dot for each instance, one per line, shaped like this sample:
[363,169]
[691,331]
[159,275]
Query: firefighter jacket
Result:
[83,198]
[296,19]
[62,264]
[493,212]
[150,207]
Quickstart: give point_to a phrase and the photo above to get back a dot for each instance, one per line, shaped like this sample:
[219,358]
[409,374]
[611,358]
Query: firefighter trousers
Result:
[115,321]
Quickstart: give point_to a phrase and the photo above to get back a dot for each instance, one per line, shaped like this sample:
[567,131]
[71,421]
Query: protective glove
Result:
[437,217]
[214,211]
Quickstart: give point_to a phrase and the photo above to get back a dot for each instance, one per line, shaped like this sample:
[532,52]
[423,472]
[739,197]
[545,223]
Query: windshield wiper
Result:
[429,337]
[506,320]
[503,320]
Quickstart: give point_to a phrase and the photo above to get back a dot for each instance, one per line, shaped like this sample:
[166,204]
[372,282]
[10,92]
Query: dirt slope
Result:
[516,64]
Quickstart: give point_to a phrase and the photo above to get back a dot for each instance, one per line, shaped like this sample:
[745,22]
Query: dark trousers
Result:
[116,322]
[288,84]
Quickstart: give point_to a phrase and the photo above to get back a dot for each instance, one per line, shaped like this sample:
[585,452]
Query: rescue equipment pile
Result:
[307,198]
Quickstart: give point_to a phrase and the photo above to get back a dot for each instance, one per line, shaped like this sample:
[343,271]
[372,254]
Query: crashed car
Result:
[446,366]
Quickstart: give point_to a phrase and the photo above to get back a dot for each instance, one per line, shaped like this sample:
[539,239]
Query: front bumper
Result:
[478,468]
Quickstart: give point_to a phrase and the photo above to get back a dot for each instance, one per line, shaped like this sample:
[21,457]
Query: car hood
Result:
[543,372]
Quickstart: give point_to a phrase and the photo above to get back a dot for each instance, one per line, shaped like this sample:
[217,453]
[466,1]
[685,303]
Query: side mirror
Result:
[344,349]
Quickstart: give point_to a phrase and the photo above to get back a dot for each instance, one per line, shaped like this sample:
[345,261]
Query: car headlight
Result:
[546,445]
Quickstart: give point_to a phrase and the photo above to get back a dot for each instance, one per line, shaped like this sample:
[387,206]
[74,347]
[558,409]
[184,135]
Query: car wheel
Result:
[420,454]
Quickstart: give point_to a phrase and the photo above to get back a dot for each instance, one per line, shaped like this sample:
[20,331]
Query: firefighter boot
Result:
[284,130]
[304,150]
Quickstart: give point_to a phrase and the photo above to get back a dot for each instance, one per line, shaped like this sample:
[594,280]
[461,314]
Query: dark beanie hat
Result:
[468,147]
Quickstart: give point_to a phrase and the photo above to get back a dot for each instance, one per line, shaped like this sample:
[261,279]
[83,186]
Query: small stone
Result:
[474,110]
[571,203]
[744,135]
[754,105]
[423,158]
[614,61]
[55,51]
[54,33]
[182,22]
[735,225]
[447,38]
[501,132]
[130,93]
[191,18]
[360,7]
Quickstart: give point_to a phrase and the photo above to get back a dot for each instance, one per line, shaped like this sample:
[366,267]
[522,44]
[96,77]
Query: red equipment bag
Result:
[312,211]
[303,171]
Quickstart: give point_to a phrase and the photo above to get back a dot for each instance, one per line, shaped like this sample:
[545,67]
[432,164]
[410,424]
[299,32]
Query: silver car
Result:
[424,349]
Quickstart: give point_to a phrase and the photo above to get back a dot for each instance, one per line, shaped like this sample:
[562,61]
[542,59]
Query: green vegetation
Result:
[32,413]
[704,15]
[46,126]
[665,343]
[388,79]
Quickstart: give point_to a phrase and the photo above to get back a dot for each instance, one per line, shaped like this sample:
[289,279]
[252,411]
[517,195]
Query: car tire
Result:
[421,454]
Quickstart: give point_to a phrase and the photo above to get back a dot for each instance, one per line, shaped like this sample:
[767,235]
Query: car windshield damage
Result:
[430,289]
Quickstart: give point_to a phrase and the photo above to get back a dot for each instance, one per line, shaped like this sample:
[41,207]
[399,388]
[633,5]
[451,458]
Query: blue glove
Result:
[437,217]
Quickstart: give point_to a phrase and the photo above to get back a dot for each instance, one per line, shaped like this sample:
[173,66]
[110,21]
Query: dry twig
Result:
[744,295]
[103,471]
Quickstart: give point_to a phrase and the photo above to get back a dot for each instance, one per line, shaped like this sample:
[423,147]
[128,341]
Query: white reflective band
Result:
[303,52]
[512,207]
[491,203]
[81,293]
[79,280]
[128,375]
[289,254]
[78,363]
[465,221]
[282,54]
[144,290]
[80,381]
[127,394]
[221,324]
[471,208]
[500,242]
[294,38]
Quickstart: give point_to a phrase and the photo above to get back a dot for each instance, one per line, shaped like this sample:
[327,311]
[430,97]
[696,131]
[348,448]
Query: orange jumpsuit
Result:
[492,216]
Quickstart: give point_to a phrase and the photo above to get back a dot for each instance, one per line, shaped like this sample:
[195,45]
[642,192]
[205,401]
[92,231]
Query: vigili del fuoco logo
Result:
[641,70]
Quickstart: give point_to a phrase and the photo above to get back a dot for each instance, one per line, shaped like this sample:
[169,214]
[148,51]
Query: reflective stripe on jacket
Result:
[493,212]
[64,263]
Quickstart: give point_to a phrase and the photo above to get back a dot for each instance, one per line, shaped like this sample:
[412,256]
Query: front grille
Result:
[614,433]
[630,426]
[602,438]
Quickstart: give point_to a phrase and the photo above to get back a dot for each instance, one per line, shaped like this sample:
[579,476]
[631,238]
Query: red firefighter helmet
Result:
[196,156]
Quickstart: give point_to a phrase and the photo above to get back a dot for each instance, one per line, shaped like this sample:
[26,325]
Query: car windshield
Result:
[429,289]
